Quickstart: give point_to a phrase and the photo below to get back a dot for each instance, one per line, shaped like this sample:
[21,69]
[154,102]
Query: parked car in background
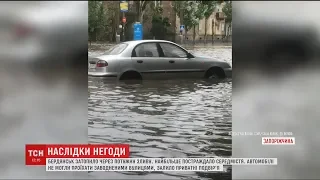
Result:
[153,59]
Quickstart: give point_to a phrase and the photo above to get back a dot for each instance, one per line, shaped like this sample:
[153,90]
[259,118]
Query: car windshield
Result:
[117,49]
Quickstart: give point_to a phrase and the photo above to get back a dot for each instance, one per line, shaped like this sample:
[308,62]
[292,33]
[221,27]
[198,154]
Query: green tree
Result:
[210,8]
[156,10]
[159,26]
[92,18]
[227,10]
[113,14]
[141,7]
[97,19]
[190,14]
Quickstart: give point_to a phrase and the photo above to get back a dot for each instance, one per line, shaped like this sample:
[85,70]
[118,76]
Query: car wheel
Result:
[213,76]
[215,73]
[131,75]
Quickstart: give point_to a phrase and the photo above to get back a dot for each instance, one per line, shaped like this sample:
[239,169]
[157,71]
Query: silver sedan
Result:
[153,59]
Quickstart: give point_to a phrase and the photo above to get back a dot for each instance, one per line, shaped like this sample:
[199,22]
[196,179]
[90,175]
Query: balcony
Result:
[220,16]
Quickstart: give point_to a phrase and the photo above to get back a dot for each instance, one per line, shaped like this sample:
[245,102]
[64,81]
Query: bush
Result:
[159,27]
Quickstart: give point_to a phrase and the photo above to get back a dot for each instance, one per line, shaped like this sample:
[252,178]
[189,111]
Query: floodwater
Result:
[169,118]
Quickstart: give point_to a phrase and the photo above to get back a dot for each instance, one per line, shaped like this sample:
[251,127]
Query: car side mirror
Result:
[189,55]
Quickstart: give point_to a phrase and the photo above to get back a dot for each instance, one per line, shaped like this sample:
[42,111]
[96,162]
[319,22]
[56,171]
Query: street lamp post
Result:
[123,8]
[123,24]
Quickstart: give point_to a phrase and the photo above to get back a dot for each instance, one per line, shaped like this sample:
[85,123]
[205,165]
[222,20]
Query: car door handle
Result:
[171,61]
[139,61]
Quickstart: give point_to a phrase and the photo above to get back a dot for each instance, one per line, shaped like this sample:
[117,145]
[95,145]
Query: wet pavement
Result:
[169,118]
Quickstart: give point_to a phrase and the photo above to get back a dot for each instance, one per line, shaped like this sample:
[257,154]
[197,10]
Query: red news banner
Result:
[36,154]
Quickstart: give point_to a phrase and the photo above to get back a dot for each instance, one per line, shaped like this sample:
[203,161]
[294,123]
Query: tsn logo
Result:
[35,154]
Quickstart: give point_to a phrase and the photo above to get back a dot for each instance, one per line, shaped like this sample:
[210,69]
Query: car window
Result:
[171,50]
[117,49]
[147,50]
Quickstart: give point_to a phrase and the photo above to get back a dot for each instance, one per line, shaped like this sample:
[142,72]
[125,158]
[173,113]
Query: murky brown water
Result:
[172,118]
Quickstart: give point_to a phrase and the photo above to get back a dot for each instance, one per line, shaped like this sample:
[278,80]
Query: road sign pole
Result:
[123,8]
[123,24]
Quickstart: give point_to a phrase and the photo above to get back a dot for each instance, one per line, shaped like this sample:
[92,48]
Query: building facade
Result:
[215,26]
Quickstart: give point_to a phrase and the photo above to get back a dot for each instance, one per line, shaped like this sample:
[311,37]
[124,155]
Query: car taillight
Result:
[102,64]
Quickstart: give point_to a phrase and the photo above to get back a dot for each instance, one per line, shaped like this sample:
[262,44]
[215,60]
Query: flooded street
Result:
[168,118]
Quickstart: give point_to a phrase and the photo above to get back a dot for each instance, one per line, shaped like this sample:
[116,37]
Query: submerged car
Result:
[152,59]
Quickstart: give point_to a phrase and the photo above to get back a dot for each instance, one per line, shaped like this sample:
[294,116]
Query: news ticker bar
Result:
[38,154]
[151,164]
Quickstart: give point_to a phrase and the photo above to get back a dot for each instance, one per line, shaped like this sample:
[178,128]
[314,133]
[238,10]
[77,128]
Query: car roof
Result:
[145,41]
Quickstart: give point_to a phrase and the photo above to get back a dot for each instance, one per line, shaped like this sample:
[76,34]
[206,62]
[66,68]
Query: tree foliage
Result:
[97,20]
[227,10]
[141,7]
[156,10]
[193,12]
[92,16]
[159,26]
[210,6]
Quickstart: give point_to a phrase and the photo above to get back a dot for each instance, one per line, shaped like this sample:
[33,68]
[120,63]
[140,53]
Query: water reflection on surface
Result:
[169,118]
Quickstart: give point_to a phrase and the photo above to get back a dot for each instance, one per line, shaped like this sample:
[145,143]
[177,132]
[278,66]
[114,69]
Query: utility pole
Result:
[181,21]
[123,24]
[117,17]
[123,9]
